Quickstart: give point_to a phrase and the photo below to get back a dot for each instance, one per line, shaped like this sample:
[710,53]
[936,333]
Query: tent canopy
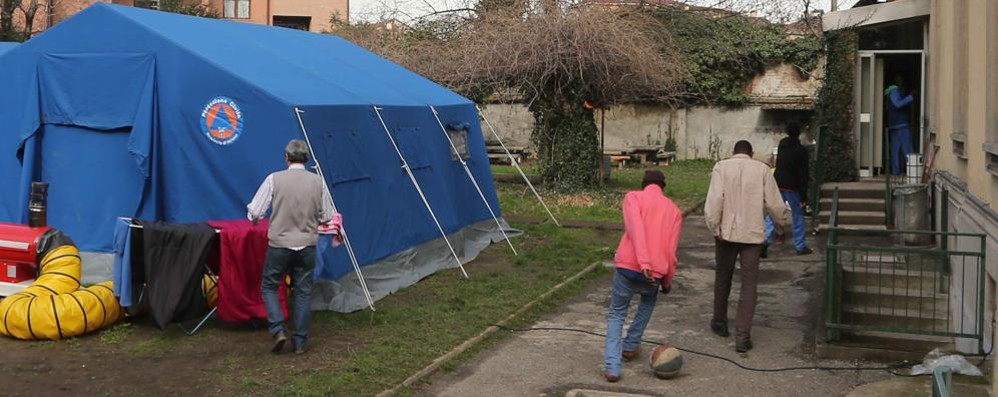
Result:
[6,46]
[128,112]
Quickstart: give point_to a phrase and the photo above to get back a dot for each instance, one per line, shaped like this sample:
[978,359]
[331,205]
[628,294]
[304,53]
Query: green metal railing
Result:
[942,381]
[818,176]
[878,284]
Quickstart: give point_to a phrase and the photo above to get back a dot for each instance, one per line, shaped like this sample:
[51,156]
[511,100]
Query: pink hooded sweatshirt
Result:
[652,223]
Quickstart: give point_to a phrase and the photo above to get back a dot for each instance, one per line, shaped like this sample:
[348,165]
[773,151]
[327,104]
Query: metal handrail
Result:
[958,325]
[942,380]
[926,232]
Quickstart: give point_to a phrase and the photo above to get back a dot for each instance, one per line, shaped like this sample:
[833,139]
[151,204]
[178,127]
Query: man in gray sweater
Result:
[300,204]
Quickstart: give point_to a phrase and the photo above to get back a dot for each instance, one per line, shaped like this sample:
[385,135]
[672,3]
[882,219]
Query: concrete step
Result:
[903,338]
[886,321]
[928,293]
[854,204]
[886,277]
[898,304]
[890,347]
[855,217]
[893,313]
[854,230]
[860,190]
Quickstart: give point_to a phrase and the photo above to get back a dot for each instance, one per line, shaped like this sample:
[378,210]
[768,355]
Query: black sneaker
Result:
[805,251]
[279,340]
[743,346]
[720,329]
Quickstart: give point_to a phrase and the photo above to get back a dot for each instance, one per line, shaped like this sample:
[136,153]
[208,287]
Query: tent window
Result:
[460,139]
[236,9]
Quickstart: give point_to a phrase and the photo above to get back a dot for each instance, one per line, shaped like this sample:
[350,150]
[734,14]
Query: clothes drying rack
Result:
[211,274]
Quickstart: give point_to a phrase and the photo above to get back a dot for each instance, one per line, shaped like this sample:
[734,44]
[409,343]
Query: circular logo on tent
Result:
[221,120]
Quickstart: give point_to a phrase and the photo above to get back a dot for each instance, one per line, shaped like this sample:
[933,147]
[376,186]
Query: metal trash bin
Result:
[911,213]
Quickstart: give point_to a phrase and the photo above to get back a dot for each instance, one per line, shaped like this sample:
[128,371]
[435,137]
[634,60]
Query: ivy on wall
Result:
[722,55]
[566,137]
[835,106]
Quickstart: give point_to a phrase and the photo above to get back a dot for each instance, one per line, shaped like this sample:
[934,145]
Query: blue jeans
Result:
[900,142]
[620,301]
[798,222]
[300,264]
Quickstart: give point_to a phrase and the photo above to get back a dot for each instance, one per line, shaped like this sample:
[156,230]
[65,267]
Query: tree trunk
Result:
[29,19]
[7,8]
[567,139]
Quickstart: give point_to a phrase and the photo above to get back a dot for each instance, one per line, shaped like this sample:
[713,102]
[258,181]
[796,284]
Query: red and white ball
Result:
[666,361]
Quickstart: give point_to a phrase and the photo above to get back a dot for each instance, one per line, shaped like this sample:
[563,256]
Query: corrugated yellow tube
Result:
[55,306]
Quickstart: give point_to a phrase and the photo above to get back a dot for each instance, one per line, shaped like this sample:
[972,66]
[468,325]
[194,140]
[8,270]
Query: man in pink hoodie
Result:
[645,264]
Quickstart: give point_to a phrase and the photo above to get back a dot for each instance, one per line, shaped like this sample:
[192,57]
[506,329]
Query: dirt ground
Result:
[555,363]
[135,358]
[138,359]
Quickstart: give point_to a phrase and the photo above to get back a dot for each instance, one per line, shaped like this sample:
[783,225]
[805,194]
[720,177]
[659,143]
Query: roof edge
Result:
[876,14]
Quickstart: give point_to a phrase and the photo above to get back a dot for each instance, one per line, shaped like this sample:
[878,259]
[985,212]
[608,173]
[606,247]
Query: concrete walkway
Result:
[551,363]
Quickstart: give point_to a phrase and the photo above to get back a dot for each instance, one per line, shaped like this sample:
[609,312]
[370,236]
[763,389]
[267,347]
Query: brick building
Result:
[311,15]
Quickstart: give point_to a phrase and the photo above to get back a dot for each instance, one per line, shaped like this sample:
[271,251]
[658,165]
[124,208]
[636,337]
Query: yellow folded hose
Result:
[55,306]
[210,289]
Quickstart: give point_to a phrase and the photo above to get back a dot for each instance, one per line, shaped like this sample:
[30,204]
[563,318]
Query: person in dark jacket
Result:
[792,178]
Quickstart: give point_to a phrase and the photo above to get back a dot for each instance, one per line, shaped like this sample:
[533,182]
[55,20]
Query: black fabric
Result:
[791,166]
[174,258]
[51,240]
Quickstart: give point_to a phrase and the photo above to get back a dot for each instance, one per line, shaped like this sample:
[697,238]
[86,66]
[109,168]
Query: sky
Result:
[368,10]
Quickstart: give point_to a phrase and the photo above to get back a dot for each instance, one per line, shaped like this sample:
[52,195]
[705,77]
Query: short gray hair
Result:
[297,151]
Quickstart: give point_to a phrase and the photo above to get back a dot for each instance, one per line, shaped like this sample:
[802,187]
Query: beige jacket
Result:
[741,191]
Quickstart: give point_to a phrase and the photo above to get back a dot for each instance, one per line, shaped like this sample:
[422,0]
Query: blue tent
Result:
[139,113]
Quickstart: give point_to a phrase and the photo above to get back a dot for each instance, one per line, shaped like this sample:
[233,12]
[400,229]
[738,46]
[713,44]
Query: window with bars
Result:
[239,9]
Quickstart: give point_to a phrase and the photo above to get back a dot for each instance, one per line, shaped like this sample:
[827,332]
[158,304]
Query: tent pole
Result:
[346,240]
[412,177]
[517,165]
[472,178]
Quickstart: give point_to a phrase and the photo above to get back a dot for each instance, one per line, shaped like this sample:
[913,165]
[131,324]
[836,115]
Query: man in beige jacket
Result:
[742,191]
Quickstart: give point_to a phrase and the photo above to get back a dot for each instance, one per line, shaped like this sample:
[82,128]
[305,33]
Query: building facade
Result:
[310,15]
[949,49]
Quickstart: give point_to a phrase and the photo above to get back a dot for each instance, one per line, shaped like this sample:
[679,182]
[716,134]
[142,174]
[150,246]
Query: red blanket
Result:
[242,248]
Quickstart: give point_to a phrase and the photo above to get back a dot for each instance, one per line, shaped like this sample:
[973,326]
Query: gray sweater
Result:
[297,209]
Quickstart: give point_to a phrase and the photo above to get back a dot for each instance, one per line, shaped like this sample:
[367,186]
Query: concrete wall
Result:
[700,132]
[963,79]
[969,215]
[962,108]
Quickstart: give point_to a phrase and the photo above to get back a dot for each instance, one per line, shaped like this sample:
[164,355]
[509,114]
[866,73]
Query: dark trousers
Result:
[300,265]
[725,255]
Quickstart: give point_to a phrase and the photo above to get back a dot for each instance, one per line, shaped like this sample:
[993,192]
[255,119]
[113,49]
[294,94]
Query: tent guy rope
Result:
[412,177]
[517,165]
[343,230]
[472,178]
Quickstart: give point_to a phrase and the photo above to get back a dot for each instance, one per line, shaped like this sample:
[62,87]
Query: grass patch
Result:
[686,184]
[152,345]
[420,323]
[116,334]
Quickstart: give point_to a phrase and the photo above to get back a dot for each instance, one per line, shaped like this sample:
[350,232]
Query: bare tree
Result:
[564,62]
[563,58]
